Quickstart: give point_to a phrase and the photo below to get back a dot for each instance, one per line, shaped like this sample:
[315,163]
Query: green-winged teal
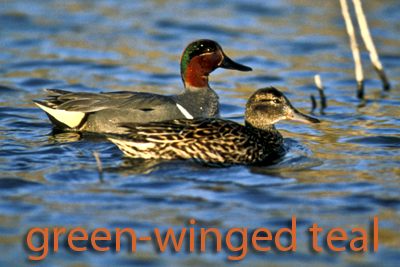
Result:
[213,141]
[101,112]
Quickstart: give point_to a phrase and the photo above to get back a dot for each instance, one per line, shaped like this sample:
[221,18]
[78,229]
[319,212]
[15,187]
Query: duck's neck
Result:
[268,132]
[194,79]
[202,101]
[265,127]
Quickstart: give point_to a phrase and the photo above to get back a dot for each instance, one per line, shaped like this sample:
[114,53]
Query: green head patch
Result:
[195,49]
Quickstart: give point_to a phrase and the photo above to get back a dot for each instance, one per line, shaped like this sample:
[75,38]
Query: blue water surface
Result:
[340,174]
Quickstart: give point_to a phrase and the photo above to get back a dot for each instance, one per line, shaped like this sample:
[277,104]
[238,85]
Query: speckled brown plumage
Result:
[207,141]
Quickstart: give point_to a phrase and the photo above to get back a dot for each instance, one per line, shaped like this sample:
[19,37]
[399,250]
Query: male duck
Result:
[213,141]
[101,112]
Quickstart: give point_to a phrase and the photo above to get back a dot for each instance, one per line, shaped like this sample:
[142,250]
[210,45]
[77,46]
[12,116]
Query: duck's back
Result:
[102,112]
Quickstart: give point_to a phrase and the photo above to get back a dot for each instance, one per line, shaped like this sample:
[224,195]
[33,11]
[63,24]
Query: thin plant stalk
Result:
[365,34]
[354,49]
[100,168]
[321,91]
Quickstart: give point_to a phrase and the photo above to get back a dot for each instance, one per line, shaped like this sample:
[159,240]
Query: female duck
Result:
[216,142]
[101,112]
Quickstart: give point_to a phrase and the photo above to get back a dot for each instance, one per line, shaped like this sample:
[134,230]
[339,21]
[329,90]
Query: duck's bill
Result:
[228,63]
[297,116]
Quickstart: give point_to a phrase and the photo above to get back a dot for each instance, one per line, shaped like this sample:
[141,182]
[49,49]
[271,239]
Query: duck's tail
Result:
[62,118]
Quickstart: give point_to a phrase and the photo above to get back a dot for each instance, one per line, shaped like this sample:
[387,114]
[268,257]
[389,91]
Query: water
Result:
[339,174]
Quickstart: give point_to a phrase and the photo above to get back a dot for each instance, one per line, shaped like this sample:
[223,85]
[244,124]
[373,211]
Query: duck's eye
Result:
[276,101]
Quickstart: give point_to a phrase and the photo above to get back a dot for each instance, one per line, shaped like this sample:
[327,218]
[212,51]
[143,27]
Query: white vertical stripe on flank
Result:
[184,111]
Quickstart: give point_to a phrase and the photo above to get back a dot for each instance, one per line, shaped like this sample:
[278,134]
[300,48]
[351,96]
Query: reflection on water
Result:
[340,173]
